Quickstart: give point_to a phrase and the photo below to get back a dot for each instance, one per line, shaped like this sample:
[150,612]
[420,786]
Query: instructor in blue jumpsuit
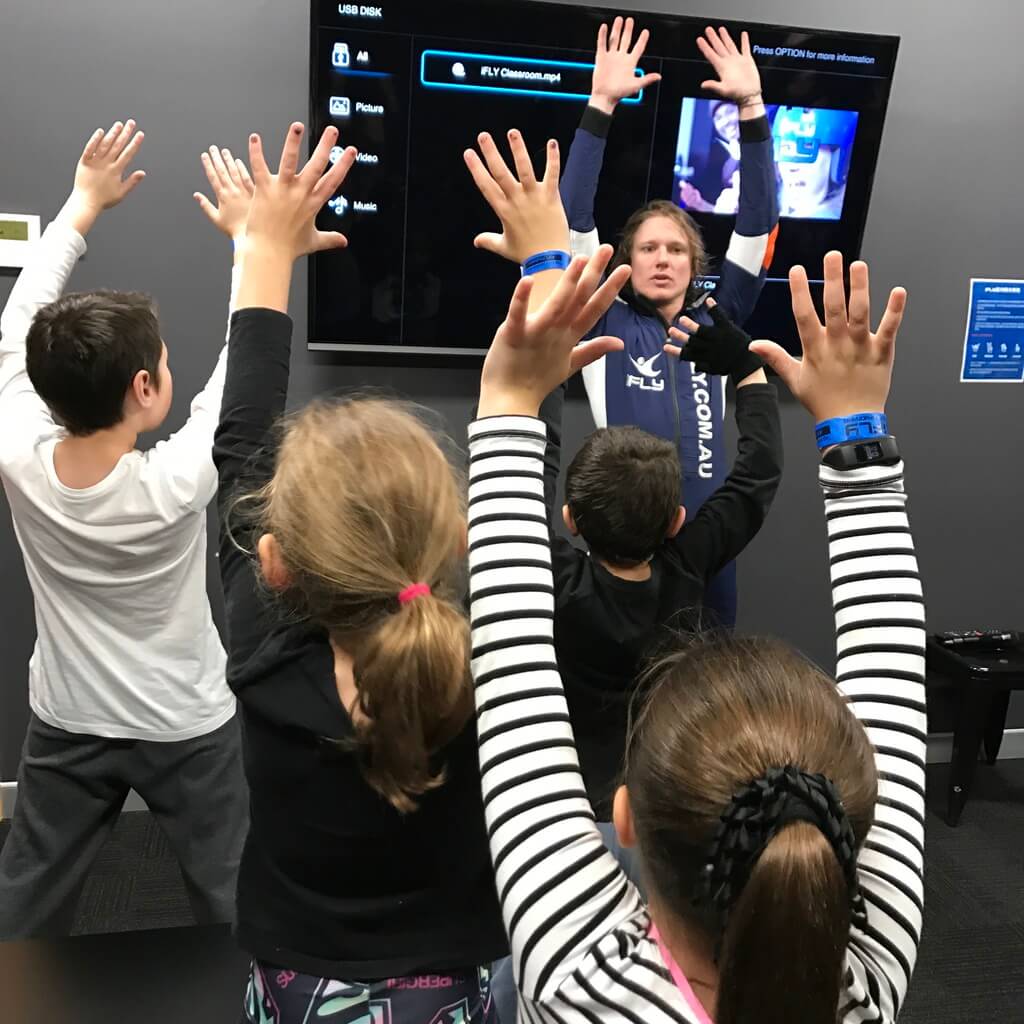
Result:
[642,385]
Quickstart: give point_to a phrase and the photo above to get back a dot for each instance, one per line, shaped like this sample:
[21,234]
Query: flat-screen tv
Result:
[411,84]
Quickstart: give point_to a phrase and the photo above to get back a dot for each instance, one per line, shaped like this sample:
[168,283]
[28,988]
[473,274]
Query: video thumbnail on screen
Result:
[813,147]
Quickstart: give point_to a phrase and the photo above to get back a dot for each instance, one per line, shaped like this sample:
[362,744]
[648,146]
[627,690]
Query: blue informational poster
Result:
[994,342]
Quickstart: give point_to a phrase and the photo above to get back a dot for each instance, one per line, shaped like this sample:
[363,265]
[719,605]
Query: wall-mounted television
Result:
[411,84]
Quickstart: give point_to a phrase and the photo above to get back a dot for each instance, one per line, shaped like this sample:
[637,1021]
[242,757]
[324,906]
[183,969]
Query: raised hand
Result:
[533,353]
[615,64]
[846,367]
[232,192]
[531,213]
[282,215]
[285,204]
[100,181]
[738,77]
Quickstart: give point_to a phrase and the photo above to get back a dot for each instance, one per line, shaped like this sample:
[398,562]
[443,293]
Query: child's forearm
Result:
[266,277]
[78,213]
[757,377]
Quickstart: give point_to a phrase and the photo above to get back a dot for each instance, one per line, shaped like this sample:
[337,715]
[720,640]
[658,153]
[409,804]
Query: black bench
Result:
[983,681]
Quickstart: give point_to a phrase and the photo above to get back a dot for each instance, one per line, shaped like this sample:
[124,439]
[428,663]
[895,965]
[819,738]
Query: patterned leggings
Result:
[276,995]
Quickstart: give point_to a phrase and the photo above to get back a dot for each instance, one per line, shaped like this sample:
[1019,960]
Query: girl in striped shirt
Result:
[777,814]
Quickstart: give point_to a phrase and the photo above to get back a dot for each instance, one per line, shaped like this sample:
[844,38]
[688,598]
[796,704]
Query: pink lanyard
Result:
[679,978]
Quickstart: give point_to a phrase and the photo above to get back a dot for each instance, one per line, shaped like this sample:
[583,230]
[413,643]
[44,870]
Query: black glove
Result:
[721,349]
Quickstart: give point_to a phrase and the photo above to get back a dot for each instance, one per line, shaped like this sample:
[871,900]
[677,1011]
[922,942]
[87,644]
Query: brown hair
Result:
[83,351]
[363,503]
[623,488]
[682,220]
[723,711]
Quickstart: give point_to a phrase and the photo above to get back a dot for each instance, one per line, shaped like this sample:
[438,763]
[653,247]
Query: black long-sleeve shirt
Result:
[606,627]
[333,880]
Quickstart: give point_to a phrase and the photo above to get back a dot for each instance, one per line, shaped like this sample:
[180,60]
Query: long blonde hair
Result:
[364,503]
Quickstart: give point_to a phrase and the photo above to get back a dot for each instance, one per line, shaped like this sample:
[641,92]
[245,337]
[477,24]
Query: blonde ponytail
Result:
[362,503]
[411,674]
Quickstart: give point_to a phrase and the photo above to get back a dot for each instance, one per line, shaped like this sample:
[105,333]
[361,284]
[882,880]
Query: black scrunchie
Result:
[756,813]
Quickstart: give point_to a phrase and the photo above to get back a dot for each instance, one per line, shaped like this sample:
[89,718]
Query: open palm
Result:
[738,76]
[232,189]
[532,353]
[100,180]
[846,367]
[284,205]
[615,62]
[531,212]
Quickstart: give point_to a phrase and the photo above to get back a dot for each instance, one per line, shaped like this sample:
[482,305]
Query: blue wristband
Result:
[551,259]
[851,428]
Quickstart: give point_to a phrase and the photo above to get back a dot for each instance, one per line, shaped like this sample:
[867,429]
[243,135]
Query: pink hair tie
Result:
[412,592]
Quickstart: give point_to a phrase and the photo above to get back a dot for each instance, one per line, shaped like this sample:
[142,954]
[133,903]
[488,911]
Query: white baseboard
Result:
[940,750]
[940,746]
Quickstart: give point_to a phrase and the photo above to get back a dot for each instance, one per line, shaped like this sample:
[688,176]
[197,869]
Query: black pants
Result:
[71,788]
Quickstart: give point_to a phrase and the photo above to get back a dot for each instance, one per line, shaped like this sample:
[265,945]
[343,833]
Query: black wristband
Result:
[875,451]
[597,122]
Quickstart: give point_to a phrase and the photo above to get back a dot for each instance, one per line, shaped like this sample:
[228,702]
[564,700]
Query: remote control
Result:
[978,639]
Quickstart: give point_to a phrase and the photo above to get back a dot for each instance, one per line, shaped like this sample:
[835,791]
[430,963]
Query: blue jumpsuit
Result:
[643,386]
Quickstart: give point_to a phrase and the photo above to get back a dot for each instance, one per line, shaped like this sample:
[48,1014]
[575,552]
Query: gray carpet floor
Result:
[971,967]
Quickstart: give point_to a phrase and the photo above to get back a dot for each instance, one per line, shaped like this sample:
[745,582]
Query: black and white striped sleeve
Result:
[561,891]
[880,651]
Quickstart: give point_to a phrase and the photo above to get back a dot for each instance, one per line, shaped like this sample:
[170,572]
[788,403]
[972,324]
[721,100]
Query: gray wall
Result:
[946,206]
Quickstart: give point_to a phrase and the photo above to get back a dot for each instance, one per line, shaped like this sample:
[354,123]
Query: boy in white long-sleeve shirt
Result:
[126,682]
